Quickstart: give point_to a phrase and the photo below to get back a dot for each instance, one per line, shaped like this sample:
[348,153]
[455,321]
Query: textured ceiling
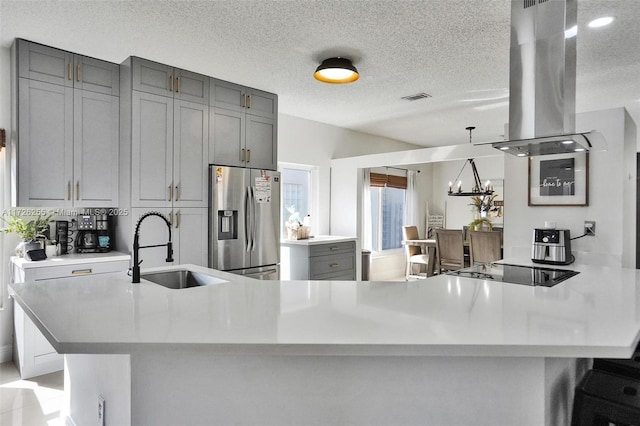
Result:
[456,51]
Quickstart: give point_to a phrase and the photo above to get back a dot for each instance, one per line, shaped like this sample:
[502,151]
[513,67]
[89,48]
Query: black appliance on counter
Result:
[551,246]
[94,233]
[62,236]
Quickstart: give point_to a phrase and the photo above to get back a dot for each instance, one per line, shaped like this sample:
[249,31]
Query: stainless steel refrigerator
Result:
[244,221]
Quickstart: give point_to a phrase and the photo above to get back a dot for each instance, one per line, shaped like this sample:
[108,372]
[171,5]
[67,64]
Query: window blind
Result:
[391,181]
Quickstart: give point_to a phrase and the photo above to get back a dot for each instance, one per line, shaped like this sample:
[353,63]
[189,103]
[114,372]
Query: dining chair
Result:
[450,249]
[485,246]
[413,252]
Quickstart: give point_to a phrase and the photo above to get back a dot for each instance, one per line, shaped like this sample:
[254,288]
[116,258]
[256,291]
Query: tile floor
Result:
[31,402]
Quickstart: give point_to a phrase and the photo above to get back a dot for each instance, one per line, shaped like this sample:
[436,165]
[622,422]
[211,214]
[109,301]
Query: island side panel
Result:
[188,388]
[87,377]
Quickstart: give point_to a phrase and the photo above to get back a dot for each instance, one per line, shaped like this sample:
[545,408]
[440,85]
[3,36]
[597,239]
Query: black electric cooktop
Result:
[516,274]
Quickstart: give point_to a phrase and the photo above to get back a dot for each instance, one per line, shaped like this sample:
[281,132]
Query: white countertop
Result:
[319,239]
[594,314]
[71,259]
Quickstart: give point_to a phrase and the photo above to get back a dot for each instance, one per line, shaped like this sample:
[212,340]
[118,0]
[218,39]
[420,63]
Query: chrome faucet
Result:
[137,247]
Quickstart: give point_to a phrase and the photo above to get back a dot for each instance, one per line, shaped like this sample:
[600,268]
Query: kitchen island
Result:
[446,350]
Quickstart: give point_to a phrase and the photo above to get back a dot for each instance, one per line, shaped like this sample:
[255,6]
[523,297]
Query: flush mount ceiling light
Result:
[336,71]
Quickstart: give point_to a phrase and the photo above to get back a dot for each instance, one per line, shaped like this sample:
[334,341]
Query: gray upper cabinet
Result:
[151,150]
[67,134]
[165,80]
[44,63]
[95,149]
[235,97]
[45,144]
[242,126]
[169,152]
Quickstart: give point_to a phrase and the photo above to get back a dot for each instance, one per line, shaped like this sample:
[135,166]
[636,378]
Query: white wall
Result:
[312,143]
[90,376]
[612,198]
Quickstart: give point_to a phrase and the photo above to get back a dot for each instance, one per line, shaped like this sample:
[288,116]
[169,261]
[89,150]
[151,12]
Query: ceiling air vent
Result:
[416,96]
[529,3]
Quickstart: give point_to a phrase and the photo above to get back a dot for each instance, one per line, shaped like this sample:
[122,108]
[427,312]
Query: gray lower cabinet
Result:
[330,261]
[242,126]
[67,146]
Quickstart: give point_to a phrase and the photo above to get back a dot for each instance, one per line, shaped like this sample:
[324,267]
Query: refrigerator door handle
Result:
[253,219]
[247,221]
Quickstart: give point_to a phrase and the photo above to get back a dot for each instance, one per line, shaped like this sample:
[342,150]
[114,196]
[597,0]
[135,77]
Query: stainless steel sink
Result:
[179,279]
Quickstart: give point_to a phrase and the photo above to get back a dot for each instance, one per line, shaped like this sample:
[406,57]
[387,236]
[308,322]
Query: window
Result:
[387,210]
[296,193]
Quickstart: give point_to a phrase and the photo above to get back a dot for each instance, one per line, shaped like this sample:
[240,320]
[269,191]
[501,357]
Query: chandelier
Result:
[477,189]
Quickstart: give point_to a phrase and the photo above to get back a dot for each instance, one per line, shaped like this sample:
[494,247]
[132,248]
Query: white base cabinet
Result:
[32,353]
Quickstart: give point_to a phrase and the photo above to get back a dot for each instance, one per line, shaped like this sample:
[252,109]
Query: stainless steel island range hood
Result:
[542,81]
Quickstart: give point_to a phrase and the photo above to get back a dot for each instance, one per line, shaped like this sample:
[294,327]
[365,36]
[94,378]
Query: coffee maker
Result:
[552,246]
[94,234]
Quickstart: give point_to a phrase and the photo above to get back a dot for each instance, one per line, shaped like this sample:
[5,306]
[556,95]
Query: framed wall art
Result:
[559,180]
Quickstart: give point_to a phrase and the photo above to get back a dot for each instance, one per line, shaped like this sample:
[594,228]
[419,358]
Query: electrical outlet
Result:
[590,227]
[100,411]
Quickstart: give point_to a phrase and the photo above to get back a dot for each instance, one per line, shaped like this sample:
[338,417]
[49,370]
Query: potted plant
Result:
[28,231]
[480,224]
[482,204]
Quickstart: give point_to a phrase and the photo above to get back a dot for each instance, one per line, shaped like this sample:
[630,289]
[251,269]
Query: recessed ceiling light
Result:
[600,22]
[567,142]
[522,154]
[504,148]
[336,71]
[579,149]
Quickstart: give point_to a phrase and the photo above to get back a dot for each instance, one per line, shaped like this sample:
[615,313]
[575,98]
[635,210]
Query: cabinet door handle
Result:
[170,188]
[177,84]
[69,77]
[249,98]
[177,219]
[334,265]
[332,248]
[171,217]
[248,155]
[244,100]
[69,190]
[82,272]
[171,83]
[77,190]
[78,72]
[177,192]
[242,155]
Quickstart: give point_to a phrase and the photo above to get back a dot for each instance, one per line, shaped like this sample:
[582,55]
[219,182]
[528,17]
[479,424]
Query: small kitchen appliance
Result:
[94,234]
[551,246]
[62,235]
